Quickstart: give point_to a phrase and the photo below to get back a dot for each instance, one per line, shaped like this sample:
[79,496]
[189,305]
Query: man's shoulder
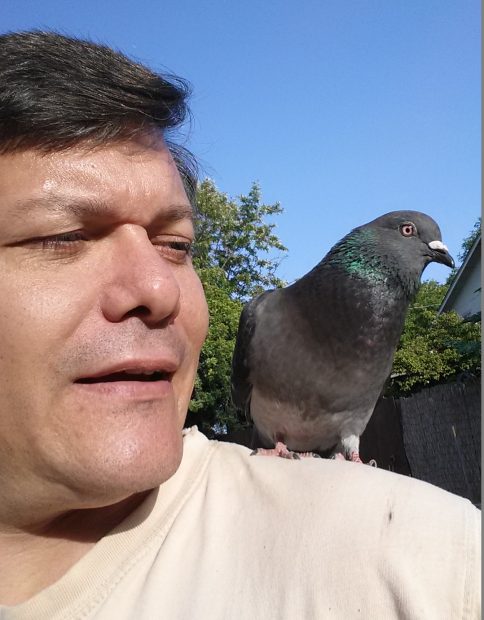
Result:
[315,483]
[298,538]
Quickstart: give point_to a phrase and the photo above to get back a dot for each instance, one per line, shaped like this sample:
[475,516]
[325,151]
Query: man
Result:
[107,509]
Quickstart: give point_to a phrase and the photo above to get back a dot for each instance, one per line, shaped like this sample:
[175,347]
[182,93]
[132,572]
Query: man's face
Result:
[102,318]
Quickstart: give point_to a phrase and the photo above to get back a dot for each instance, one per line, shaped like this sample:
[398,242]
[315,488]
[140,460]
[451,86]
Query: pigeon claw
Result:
[354,457]
[282,451]
[338,456]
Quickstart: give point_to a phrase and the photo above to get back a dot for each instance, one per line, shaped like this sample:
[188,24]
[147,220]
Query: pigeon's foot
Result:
[354,457]
[283,451]
[338,456]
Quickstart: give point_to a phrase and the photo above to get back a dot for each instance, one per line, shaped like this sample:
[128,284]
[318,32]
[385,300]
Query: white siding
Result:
[468,301]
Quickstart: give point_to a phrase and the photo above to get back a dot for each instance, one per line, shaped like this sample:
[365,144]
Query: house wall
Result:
[467,300]
[464,294]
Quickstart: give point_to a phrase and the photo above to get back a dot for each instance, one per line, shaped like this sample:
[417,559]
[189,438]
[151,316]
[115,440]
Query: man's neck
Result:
[33,558]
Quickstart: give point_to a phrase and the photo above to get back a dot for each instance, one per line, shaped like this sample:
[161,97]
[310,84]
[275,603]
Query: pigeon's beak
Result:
[440,254]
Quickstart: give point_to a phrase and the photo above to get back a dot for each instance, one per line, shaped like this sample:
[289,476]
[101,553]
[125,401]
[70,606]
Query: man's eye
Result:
[62,241]
[174,250]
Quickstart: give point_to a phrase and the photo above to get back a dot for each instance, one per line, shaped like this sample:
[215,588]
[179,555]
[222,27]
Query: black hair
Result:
[58,91]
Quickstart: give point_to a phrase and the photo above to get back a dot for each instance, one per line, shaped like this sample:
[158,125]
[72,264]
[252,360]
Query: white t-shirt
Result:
[234,536]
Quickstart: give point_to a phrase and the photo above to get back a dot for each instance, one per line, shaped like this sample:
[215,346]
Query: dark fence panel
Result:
[441,433]
[382,439]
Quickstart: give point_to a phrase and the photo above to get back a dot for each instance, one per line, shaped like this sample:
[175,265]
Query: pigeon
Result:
[311,359]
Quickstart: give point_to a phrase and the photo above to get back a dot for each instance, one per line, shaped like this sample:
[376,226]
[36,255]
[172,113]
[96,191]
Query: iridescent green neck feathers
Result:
[357,255]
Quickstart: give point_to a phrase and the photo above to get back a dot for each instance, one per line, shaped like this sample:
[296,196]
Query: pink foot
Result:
[282,451]
[338,457]
[354,457]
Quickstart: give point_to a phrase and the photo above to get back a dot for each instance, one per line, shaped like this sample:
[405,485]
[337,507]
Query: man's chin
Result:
[131,469]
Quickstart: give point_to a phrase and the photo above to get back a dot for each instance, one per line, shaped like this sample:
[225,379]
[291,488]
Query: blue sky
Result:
[341,110]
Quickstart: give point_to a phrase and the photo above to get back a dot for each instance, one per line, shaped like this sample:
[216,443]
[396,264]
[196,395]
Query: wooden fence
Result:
[433,435]
[442,437]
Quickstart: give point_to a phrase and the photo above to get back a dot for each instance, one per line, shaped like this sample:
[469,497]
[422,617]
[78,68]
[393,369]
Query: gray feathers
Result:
[311,360]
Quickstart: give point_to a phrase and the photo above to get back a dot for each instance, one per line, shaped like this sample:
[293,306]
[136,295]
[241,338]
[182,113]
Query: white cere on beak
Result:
[438,245]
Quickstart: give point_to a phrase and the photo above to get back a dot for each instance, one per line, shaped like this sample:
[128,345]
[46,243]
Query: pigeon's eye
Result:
[408,229]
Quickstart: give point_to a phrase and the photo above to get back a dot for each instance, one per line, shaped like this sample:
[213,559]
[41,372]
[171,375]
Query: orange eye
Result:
[408,230]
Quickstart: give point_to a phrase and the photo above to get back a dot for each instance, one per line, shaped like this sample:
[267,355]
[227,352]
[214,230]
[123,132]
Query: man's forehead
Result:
[93,182]
[85,157]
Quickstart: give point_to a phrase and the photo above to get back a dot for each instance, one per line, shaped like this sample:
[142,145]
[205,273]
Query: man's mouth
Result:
[129,375]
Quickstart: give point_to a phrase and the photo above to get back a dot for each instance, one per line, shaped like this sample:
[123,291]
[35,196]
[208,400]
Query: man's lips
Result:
[143,370]
[128,376]
[145,380]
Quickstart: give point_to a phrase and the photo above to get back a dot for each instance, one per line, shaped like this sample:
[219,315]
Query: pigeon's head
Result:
[393,249]
[401,244]
[413,237]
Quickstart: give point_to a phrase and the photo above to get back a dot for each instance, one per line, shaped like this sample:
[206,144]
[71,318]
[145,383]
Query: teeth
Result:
[140,372]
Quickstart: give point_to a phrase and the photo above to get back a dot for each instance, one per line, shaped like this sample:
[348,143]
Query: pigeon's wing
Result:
[241,385]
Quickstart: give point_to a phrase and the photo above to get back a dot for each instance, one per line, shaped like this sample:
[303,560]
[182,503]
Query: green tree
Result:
[234,236]
[433,348]
[236,256]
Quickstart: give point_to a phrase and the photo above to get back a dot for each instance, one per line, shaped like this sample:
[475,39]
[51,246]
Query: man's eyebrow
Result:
[90,207]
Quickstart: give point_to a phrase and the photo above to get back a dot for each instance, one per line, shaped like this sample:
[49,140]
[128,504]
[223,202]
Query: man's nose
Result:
[140,282]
